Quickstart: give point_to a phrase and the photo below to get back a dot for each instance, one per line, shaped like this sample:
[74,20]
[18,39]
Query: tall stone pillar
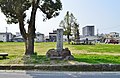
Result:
[59,40]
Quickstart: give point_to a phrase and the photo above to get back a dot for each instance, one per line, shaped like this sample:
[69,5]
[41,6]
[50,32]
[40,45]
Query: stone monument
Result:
[59,53]
[59,40]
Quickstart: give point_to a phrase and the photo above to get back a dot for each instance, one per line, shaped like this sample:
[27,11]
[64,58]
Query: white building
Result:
[18,34]
[114,34]
[93,39]
[6,37]
[18,39]
[39,37]
[112,37]
[65,39]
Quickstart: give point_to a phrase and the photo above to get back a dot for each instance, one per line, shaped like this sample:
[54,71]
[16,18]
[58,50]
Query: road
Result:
[55,74]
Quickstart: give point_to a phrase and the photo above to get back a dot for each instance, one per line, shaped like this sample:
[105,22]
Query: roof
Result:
[89,26]
[39,33]
[52,33]
[18,37]
[90,38]
[5,33]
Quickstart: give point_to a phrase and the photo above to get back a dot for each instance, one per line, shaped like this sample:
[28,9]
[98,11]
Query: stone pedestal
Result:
[54,55]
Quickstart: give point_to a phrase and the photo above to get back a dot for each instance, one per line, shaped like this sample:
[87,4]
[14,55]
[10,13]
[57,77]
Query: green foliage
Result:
[70,26]
[75,29]
[11,9]
[50,8]
[67,24]
[15,12]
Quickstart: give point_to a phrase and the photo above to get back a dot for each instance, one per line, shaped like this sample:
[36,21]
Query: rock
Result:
[65,52]
[69,57]
[52,53]
[56,58]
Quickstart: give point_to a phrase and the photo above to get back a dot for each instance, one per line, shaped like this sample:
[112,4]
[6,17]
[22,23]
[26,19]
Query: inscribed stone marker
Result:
[59,40]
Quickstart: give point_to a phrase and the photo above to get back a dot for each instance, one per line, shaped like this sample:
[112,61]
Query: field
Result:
[95,54]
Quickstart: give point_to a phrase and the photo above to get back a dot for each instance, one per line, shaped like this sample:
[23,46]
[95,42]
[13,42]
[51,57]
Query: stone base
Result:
[64,55]
[56,58]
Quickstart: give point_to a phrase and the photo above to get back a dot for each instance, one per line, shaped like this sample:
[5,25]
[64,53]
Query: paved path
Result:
[51,74]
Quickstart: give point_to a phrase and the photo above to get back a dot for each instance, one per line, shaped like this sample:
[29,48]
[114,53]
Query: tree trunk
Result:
[31,29]
[29,37]
[29,44]
[68,39]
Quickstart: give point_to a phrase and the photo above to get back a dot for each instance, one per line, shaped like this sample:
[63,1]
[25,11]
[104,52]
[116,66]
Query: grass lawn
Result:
[101,48]
[99,53]
[97,59]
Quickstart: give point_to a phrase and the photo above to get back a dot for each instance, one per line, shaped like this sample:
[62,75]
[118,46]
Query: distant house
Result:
[92,39]
[65,39]
[46,39]
[6,37]
[18,39]
[53,36]
[18,34]
[39,37]
[114,34]
[112,37]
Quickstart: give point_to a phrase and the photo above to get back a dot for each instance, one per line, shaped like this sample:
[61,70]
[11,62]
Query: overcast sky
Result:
[103,14]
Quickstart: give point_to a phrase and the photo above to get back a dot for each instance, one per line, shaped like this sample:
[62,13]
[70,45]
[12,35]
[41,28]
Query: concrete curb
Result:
[81,67]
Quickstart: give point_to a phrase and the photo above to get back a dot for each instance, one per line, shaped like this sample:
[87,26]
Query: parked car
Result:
[113,41]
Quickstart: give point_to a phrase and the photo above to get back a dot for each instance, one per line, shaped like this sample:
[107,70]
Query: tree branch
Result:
[21,26]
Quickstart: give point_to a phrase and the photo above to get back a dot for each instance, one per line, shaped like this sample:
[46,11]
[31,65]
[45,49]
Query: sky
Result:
[103,14]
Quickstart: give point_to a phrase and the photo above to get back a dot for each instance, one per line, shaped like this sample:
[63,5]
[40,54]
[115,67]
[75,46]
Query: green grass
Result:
[111,48]
[16,53]
[97,59]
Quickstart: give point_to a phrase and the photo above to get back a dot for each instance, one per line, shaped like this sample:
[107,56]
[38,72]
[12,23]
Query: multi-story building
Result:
[6,37]
[88,31]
